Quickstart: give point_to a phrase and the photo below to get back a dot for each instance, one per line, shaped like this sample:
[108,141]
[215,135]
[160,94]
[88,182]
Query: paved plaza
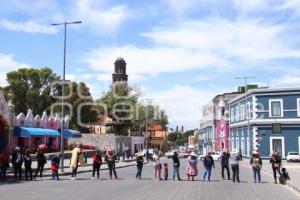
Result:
[128,188]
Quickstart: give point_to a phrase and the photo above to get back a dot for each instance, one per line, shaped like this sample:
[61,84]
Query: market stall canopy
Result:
[69,133]
[38,132]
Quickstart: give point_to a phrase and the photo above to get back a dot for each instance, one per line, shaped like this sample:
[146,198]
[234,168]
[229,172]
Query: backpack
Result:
[256,163]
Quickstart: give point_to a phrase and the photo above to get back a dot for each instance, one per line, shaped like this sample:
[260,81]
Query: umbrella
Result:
[43,146]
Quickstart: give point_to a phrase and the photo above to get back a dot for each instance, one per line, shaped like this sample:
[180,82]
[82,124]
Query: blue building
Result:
[266,120]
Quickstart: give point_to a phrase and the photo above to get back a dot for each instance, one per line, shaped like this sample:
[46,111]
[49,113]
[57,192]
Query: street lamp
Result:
[248,107]
[146,116]
[62,144]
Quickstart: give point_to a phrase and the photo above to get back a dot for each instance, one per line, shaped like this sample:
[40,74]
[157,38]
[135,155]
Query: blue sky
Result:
[180,53]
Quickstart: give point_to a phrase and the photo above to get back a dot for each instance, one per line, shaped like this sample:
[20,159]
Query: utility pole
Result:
[245,78]
[62,144]
[148,102]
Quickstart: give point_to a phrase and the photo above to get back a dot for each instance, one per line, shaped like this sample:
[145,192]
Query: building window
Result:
[298,107]
[237,114]
[276,108]
[232,115]
[242,113]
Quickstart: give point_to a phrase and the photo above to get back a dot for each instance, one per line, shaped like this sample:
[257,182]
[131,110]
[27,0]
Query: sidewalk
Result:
[292,168]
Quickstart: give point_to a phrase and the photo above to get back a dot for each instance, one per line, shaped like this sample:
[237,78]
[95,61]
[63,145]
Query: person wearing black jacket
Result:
[176,166]
[208,163]
[111,158]
[17,162]
[28,162]
[97,162]
[275,160]
[41,161]
[139,165]
[225,164]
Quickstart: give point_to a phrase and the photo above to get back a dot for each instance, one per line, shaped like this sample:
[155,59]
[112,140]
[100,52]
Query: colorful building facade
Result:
[214,125]
[266,120]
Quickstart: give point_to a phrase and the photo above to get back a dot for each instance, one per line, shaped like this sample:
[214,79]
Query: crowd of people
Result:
[229,161]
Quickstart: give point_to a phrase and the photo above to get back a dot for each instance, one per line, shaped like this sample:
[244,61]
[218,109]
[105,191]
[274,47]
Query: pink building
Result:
[31,131]
[222,120]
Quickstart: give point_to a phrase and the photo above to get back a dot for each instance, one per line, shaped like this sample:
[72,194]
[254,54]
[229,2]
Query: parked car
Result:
[151,151]
[293,156]
[215,155]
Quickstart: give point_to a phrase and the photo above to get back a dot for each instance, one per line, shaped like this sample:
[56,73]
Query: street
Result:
[129,188]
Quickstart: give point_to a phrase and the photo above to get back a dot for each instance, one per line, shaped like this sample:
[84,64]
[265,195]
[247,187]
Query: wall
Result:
[118,143]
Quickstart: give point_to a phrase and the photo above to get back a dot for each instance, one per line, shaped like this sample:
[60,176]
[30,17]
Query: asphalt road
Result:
[128,188]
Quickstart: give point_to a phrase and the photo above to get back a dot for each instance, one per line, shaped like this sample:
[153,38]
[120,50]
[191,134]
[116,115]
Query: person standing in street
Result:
[256,164]
[76,153]
[28,163]
[41,161]
[110,159]
[176,166]
[139,165]
[166,171]
[234,162]
[225,164]
[191,169]
[97,162]
[208,163]
[157,166]
[17,162]
[4,164]
[55,160]
[275,160]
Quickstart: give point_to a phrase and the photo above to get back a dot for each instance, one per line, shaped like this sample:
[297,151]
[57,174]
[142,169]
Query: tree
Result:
[30,88]
[123,106]
[119,103]
[35,89]
[81,104]
[172,137]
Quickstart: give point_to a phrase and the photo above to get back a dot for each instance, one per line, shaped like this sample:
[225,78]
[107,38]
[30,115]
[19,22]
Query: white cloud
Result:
[104,77]
[7,63]
[182,103]
[293,5]
[143,61]
[180,7]
[71,77]
[212,43]
[99,16]
[28,27]
[253,5]
[286,81]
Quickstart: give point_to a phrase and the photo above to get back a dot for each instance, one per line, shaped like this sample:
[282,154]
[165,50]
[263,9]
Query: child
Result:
[54,166]
[28,162]
[97,162]
[166,171]
[284,176]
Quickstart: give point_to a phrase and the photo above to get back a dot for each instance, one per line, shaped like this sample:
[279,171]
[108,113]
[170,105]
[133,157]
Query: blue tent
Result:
[38,132]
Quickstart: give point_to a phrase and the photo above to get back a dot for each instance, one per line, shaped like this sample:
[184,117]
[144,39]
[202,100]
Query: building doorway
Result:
[277,144]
